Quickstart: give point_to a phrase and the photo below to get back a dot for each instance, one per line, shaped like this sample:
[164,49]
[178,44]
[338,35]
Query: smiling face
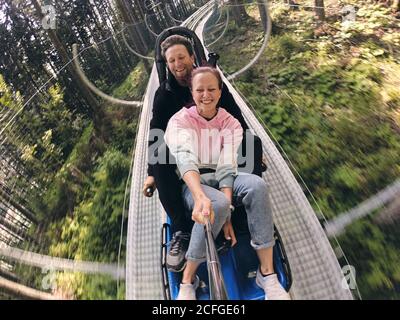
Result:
[206,93]
[179,63]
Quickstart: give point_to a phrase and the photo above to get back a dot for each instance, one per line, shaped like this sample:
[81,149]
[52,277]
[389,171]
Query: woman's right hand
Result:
[202,210]
[229,233]
[149,186]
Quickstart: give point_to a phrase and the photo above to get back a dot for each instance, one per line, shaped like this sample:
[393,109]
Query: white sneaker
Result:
[272,287]
[188,291]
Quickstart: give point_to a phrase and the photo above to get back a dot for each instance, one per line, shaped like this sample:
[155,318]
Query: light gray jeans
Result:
[250,191]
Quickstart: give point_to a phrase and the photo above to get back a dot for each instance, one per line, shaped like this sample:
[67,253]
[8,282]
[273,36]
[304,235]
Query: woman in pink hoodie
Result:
[204,140]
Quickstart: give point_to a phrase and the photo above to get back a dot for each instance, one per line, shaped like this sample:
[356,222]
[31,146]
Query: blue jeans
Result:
[250,191]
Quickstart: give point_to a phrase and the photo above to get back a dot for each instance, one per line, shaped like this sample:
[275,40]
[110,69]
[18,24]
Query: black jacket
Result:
[170,97]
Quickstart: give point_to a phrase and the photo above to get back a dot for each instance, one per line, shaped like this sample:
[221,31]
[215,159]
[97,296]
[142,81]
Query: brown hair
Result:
[211,70]
[174,40]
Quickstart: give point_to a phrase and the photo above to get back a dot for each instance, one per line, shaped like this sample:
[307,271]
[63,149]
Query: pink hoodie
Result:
[199,143]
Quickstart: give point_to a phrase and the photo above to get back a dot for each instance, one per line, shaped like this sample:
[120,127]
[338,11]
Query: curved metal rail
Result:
[134,51]
[337,225]
[43,261]
[267,35]
[169,13]
[223,31]
[148,27]
[96,90]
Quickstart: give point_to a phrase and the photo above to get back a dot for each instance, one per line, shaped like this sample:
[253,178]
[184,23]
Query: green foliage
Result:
[348,177]
[375,258]
[7,98]
[81,209]
[134,84]
[235,35]
[286,46]
[330,98]
[68,184]
[89,287]
[92,232]
[52,130]
[330,120]
[90,228]
[101,288]
[98,216]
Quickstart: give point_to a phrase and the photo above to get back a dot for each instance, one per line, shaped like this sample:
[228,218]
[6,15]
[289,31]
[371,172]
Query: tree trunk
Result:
[140,11]
[320,9]
[140,44]
[263,15]
[133,18]
[170,6]
[152,17]
[97,112]
[293,4]
[239,12]
[396,5]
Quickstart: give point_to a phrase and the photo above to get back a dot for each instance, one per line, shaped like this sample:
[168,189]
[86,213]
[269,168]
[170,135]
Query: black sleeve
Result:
[150,170]
[229,104]
[159,119]
[160,116]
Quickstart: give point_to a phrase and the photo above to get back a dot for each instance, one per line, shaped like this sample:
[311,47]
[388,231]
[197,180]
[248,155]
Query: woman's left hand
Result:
[229,233]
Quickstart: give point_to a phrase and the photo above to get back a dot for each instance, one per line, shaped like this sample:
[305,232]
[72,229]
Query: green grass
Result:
[133,87]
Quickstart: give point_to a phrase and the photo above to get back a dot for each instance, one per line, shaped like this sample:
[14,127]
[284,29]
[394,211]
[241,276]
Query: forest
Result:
[325,90]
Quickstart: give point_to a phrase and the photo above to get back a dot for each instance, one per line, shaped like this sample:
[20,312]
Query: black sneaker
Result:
[179,244]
